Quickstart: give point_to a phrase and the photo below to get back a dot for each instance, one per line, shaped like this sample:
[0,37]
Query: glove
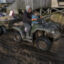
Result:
[34,19]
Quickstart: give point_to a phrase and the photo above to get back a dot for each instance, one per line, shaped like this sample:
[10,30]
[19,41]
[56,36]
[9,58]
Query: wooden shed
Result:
[36,4]
[40,3]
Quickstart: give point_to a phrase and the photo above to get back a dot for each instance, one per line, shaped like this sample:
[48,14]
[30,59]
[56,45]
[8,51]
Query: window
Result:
[61,0]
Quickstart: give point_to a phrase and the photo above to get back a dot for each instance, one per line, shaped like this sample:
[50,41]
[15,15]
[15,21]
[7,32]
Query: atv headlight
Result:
[53,32]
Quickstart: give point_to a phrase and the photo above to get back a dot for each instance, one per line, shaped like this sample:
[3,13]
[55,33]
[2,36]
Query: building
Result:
[37,4]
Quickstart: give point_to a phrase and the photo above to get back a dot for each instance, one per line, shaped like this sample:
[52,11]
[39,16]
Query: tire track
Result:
[24,53]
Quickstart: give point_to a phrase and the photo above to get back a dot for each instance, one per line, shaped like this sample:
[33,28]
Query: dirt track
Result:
[25,53]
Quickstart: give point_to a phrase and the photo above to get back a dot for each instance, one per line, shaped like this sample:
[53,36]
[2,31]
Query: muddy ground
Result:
[25,53]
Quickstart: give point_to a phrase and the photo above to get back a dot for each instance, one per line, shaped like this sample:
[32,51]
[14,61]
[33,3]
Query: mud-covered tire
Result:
[3,29]
[43,43]
[15,36]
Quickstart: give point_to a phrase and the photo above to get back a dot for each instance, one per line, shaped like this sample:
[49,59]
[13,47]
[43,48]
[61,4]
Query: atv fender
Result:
[37,29]
[19,30]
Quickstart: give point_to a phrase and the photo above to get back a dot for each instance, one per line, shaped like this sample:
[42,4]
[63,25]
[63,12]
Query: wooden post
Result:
[40,11]
[49,11]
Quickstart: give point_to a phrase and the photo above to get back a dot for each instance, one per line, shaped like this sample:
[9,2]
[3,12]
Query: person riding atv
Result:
[35,17]
[29,19]
[27,16]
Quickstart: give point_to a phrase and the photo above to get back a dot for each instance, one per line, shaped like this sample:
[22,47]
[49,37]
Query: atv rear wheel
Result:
[43,43]
[15,36]
[4,29]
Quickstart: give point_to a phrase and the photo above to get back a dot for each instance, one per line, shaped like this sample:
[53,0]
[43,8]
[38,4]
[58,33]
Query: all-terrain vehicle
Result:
[42,34]
[6,22]
[3,26]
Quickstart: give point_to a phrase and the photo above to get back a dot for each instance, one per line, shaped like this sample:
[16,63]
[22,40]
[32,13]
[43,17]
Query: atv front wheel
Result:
[43,43]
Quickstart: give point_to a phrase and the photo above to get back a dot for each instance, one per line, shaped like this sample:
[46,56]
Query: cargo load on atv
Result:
[58,18]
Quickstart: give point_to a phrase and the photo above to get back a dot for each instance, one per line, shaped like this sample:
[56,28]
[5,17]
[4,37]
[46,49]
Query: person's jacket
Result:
[27,17]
